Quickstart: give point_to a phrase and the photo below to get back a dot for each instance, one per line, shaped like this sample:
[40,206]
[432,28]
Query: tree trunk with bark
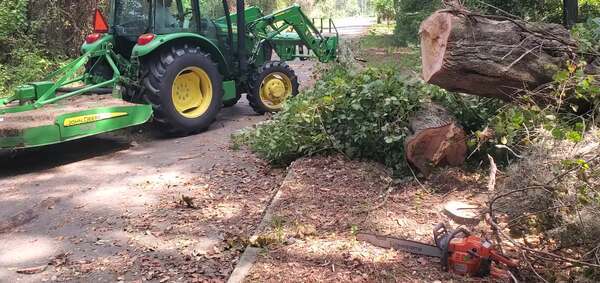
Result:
[570,12]
[491,56]
[437,140]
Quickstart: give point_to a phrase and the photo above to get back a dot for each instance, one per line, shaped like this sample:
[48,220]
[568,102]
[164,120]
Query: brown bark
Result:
[437,140]
[491,56]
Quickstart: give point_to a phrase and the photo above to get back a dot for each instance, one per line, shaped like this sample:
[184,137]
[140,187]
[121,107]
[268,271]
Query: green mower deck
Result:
[69,119]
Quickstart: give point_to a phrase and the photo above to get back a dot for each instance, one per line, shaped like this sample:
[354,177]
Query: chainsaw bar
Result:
[400,244]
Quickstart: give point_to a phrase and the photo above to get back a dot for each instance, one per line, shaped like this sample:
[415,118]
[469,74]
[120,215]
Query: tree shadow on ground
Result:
[24,161]
[136,227]
[38,159]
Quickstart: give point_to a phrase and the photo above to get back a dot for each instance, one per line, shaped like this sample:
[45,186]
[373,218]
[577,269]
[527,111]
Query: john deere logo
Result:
[85,119]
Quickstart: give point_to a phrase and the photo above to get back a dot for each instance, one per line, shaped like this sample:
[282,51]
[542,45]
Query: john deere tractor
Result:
[175,62]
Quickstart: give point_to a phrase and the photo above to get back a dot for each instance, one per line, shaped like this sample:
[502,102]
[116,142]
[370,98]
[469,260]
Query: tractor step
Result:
[68,119]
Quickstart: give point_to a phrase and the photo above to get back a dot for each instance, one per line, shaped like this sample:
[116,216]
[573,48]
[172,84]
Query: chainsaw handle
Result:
[442,240]
[438,232]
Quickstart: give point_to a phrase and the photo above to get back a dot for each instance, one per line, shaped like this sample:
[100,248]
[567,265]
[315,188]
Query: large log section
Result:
[437,139]
[491,56]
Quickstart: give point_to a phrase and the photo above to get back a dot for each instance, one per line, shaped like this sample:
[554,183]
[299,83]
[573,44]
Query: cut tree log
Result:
[437,140]
[491,56]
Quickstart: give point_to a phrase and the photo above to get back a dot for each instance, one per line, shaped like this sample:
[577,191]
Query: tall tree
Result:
[570,12]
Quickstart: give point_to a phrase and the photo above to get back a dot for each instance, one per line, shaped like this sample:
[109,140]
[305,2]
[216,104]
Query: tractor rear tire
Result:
[271,85]
[170,80]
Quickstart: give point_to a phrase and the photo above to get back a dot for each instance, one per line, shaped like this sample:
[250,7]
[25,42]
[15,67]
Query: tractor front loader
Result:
[173,62]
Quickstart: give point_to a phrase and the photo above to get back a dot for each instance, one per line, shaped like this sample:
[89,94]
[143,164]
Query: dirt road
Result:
[121,208]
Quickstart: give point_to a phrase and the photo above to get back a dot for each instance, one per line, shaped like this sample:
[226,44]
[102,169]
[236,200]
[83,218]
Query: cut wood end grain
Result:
[437,140]
[491,56]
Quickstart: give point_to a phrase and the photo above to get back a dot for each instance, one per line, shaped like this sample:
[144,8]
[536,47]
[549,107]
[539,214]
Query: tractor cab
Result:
[136,21]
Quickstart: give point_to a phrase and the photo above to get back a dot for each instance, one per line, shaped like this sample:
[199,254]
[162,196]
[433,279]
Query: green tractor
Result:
[175,62]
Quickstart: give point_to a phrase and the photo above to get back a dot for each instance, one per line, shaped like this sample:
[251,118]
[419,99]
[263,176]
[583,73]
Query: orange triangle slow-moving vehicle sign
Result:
[100,24]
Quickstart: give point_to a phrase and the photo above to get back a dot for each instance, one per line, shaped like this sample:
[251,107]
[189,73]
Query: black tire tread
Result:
[154,71]
[257,77]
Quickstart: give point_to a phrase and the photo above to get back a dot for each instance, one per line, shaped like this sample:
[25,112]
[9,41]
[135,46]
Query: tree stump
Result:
[437,140]
[491,56]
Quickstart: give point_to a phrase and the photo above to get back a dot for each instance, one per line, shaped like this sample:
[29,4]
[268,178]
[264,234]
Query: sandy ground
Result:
[134,206]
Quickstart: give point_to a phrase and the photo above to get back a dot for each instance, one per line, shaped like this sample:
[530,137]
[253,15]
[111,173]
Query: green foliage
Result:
[409,15]
[588,35]
[12,16]
[589,9]
[21,58]
[25,64]
[384,10]
[335,8]
[503,130]
[530,10]
[363,115]
[535,10]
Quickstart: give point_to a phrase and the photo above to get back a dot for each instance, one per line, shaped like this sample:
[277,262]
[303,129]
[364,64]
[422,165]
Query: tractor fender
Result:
[105,39]
[140,51]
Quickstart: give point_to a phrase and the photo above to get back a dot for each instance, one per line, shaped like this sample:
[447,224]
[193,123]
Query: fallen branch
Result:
[492,177]
[491,188]
[534,251]
[548,256]
[532,268]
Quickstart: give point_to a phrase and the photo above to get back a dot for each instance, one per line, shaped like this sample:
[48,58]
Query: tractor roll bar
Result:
[241,33]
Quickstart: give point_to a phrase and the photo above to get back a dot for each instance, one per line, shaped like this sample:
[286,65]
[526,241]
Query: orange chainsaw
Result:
[460,252]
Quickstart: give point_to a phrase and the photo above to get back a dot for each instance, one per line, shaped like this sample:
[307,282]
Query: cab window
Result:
[174,16]
[131,17]
[211,9]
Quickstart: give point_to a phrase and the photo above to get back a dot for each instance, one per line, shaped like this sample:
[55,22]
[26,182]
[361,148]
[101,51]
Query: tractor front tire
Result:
[271,86]
[184,87]
[267,53]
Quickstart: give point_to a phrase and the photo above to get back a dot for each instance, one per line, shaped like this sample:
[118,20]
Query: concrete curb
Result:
[248,258]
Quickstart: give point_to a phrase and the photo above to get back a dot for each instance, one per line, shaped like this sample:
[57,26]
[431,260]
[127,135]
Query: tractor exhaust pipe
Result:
[241,34]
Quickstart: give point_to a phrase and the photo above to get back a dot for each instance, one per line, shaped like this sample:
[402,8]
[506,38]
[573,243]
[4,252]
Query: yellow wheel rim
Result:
[192,92]
[275,89]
